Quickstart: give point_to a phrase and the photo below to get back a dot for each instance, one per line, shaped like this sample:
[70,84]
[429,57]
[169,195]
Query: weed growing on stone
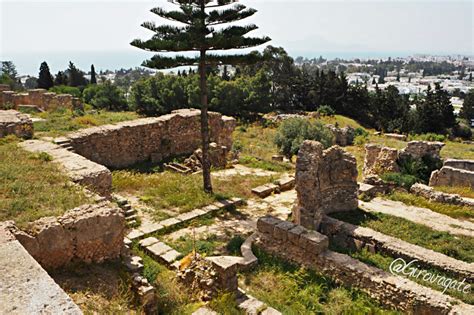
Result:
[459,246]
[295,290]
[454,211]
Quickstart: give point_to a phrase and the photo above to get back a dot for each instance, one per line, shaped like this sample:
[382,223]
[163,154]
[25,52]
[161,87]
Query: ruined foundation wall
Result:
[39,97]
[467,165]
[393,291]
[15,123]
[449,176]
[326,182]
[90,234]
[150,139]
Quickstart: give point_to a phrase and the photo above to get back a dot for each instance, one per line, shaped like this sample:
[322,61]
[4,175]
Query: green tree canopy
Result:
[201,29]
[45,79]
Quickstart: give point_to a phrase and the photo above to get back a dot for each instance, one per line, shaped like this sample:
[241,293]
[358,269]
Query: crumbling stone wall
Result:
[467,165]
[449,176]
[439,196]
[326,181]
[150,139]
[343,136]
[15,123]
[379,160]
[283,239]
[39,97]
[90,233]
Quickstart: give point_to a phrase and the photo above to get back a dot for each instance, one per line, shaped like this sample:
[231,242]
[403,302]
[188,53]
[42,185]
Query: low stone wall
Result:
[467,165]
[150,139]
[449,176]
[346,235]
[15,123]
[342,136]
[392,291]
[326,181]
[39,97]
[82,171]
[90,234]
[438,196]
[25,287]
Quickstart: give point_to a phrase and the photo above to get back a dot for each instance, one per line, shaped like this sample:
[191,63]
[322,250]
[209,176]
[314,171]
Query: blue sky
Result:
[52,29]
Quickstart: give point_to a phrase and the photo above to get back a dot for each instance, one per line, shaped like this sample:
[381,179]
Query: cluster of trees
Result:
[277,84]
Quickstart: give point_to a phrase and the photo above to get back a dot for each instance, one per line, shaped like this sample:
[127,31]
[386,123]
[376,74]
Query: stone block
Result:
[169,257]
[295,233]
[158,249]
[280,232]
[170,222]
[314,242]
[265,190]
[148,241]
[286,183]
[150,228]
[267,224]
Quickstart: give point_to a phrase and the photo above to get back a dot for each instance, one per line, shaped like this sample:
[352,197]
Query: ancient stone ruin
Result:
[41,98]
[326,181]
[150,139]
[454,173]
[380,160]
[90,234]
[342,136]
[15,123]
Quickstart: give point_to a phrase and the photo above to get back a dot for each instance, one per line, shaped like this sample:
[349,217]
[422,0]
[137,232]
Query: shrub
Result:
[234,244]
[462,131]
[293,131]
[428,137]
[64,89]
[105,96]
[361,136]
[399,179]
[419,168]
[326,110]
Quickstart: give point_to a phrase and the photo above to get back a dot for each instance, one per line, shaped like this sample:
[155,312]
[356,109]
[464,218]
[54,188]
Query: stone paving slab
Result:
[148,241]
[204,311]
[150,228]
[170,222]
[25,287]
[158,249]
[433,220]
[170,256]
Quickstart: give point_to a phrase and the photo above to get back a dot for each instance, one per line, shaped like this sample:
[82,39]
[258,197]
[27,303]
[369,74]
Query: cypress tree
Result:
[93,75]
[198,34]
[61,78]
[45,79]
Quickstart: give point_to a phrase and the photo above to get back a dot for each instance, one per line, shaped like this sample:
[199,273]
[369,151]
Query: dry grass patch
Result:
[463,191]
[32,187]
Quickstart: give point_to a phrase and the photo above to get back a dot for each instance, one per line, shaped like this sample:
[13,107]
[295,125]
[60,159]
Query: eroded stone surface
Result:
[438,196]
[449,176]
[90,233]
[25,287]
[326,181]
[97,177]
[379,160]
[39,97]
[15,123]
[150,139]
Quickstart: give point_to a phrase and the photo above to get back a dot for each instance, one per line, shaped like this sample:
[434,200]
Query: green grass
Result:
[383,262]
[454,211]
[32,187]
[168,190]
[463,191]
[63,121]
[206,246]
[459,247]
[457,150]
[295,290]
[256,144]
[342,121]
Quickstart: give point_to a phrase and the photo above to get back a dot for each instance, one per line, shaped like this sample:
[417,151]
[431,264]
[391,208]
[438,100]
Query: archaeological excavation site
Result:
[113,219]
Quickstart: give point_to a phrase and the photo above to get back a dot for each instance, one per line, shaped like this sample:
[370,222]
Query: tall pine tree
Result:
[202,32]
[45,79]
[93,75]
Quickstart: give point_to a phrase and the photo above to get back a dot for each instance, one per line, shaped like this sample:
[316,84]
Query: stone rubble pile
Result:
[438,196]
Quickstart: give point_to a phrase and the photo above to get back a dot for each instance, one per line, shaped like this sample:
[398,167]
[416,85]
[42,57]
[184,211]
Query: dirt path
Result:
[434,220]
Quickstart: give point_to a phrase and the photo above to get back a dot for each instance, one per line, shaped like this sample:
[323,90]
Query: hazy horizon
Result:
[99,32]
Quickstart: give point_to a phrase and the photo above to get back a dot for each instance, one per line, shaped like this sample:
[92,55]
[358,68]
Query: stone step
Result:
[132,223]
[133,263]
[62,140]
[130,212]
[133,217]
[126,206]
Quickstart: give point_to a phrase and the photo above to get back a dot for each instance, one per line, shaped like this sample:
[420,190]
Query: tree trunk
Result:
[206,164]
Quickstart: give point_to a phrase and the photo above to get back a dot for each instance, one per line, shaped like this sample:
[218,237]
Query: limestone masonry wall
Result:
[90,233]
[150,139]
[82,171]
[467,165]
[346,235]
[291,242]
[15,123]
[39,97]
[326,181]
[449,176]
